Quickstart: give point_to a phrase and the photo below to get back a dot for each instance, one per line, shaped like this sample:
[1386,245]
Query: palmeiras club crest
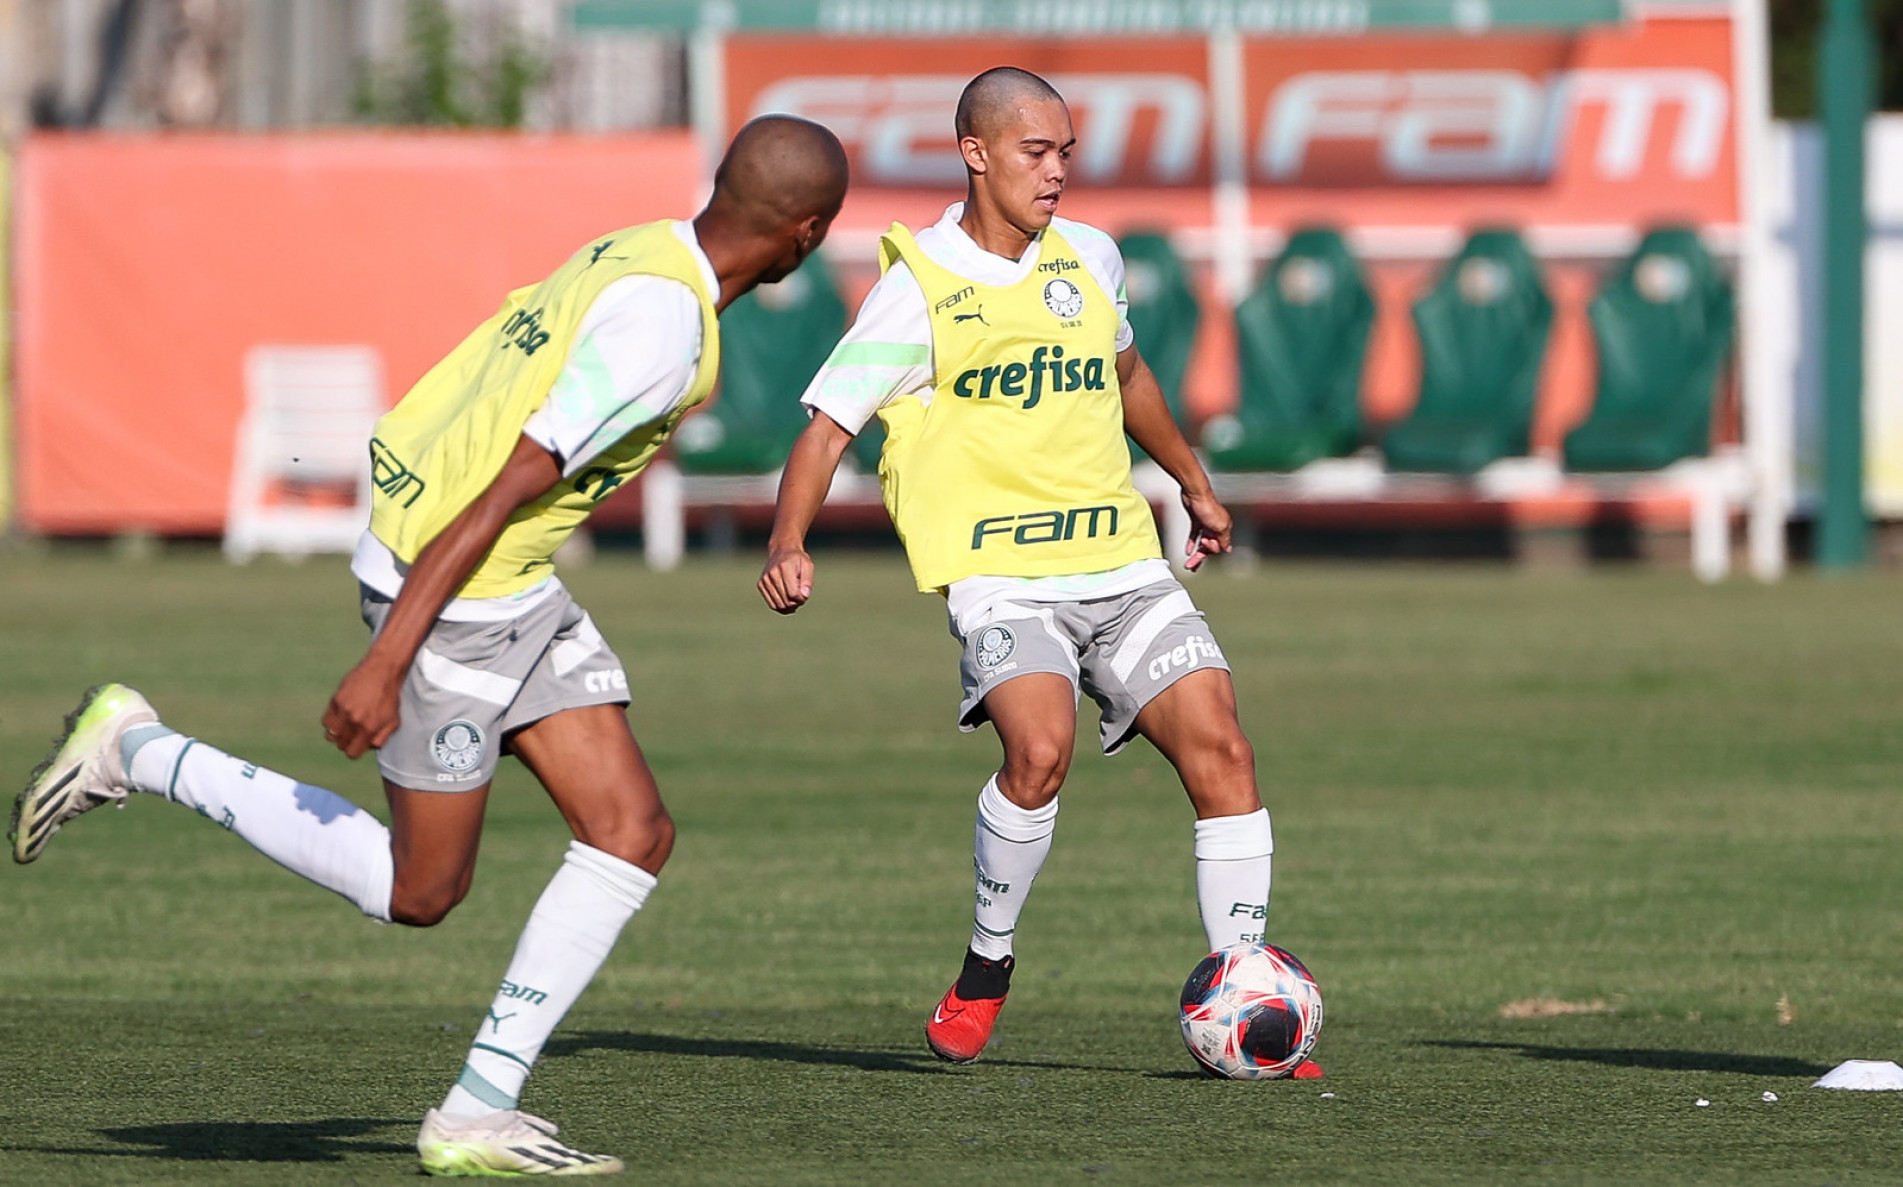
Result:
[995,646]
[458,746]
[1063,298]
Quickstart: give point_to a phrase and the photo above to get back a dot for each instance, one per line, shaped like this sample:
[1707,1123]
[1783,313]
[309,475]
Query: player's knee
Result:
[422,908]
[1034,772]
[1233,751]
[422,894]
[641,835]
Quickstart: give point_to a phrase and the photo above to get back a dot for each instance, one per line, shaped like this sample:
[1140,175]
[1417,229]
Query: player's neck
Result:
[990,230]
[738,259]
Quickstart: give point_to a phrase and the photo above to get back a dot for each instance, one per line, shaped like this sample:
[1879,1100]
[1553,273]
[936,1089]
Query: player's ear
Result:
[810,233]
[974,152]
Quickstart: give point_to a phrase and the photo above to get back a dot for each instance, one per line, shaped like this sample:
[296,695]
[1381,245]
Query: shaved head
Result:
[780,170]
[992,100]
[775,196]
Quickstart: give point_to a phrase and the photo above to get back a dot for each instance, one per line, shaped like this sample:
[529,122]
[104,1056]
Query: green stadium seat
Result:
[773,341]
[1483,332]
[1302,338]
[1662,325]
[1163,310]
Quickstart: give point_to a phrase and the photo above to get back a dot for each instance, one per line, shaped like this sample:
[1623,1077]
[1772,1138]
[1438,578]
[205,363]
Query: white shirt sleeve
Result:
[1105,264]
[632,364]
[886,354]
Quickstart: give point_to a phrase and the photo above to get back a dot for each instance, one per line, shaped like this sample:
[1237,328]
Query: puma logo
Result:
[496,1020]
[978,317]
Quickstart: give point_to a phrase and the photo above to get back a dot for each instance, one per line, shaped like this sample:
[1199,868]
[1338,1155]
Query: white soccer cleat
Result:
[84,771]
[510,1142]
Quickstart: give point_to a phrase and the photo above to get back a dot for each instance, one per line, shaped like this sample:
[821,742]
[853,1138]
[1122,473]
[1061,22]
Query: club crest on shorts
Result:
[458,746]
[1063,298]
[995,645]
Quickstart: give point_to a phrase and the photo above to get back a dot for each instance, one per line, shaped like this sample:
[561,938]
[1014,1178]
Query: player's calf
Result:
[115,744]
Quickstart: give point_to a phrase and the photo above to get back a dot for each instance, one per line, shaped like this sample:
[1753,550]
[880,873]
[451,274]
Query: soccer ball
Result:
[1251,1012]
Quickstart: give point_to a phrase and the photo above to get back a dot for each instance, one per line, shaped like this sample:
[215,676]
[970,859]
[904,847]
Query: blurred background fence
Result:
[1632,357]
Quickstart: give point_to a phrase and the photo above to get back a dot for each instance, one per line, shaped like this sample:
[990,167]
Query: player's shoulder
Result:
[895,286]
[1098,251]
[642,298]
[1097,246]
[1083,236]
[893,311]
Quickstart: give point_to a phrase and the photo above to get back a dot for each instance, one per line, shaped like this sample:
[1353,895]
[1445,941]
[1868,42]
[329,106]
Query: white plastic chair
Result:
[300,482]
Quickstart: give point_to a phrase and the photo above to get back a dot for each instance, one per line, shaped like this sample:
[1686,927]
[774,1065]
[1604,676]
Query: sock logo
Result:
[458,746]
[1249,910]
[529,994]
[496,1020]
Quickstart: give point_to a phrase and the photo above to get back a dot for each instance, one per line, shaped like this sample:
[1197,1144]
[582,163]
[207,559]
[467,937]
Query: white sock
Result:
[1233,855]
[1009,851]
[305,829]
[569,934]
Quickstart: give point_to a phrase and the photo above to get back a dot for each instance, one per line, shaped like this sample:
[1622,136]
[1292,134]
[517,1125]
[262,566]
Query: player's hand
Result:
[364,711]
[1209,526]
[787,580]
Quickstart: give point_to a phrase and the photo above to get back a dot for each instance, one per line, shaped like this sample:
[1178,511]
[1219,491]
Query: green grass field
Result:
[1675,806]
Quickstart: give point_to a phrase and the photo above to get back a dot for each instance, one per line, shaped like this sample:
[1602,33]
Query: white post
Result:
[1229,140]
[1711,526]
[1766,395]
[707,83]
[663,516]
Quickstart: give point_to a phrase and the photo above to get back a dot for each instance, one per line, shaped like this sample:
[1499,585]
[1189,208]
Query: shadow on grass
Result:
[1651,1059]
[242,1141]
[916,1062]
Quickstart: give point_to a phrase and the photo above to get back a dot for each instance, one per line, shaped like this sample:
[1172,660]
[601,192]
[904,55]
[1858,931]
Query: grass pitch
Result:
[1668,809]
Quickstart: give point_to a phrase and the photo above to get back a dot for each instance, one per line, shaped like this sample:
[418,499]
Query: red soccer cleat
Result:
[961,1026]
[1308,1069]
[959,1029]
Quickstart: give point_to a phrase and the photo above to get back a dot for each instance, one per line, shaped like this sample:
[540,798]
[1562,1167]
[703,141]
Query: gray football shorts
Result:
[475,683]
[1123,650]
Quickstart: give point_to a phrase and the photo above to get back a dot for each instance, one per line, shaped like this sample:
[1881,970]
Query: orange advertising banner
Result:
[1141,107]
[1604,131]
[1625,124]
[148,267]
[1615,126]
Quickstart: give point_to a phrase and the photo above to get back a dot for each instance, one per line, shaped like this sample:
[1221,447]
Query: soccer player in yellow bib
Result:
[996,353]
[481,472]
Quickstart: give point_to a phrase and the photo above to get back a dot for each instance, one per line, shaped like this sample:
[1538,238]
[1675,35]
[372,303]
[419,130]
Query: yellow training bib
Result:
[1017,465]
[446,441]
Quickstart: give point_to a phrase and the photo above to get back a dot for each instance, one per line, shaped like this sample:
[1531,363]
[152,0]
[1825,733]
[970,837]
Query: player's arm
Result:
[1146,417]
[787,580]
[885,353]
[363,712]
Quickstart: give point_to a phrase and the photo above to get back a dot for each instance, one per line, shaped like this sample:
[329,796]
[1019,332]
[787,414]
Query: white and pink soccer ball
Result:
[1251,1012]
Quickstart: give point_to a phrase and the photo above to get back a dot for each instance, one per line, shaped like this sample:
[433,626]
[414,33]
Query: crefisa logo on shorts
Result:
[995,645]
[458,747]
[1192,651]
